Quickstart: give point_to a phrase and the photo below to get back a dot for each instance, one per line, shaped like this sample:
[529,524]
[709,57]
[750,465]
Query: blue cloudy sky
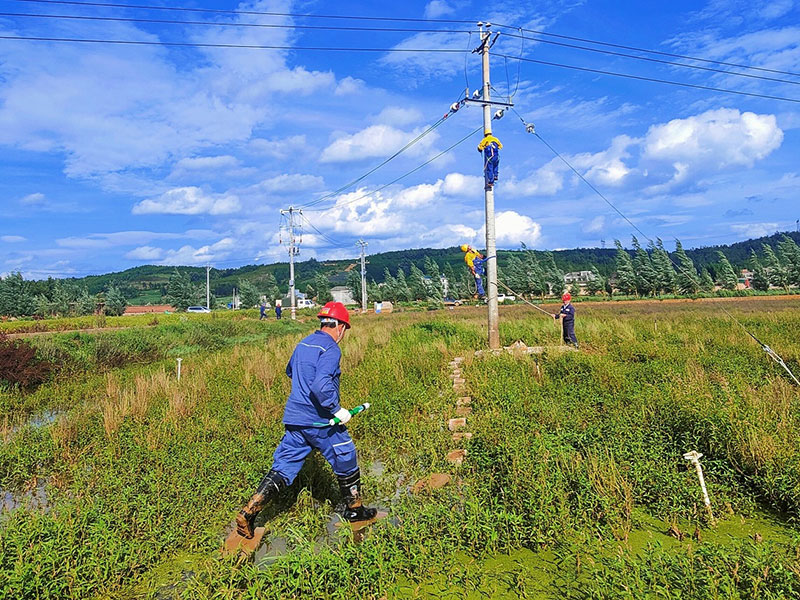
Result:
[113,156]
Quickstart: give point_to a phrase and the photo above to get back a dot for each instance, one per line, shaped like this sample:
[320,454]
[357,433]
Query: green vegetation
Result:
[573,486]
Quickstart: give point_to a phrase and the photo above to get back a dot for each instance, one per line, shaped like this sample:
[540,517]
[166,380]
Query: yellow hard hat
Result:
[464,247]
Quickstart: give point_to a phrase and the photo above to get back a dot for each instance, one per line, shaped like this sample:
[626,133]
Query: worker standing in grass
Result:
[314,370]
[278,310]
[567,314]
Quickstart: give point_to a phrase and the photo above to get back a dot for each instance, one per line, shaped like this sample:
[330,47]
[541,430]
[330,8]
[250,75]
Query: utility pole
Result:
[208,288]
[491,247]
[292,226]
[363,245]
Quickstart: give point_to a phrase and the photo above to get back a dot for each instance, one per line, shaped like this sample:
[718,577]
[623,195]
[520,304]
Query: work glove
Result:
[343,415]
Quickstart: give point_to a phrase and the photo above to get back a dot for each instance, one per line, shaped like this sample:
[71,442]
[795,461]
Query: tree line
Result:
[23,298]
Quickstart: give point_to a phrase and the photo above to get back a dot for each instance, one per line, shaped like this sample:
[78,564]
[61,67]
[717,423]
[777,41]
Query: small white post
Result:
[179,368]
[694,458]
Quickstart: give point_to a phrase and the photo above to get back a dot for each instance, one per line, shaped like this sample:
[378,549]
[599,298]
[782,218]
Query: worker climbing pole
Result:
[490,146]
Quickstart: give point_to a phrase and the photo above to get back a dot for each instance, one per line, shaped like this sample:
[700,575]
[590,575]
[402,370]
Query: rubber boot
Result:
[270,486]
[354,510]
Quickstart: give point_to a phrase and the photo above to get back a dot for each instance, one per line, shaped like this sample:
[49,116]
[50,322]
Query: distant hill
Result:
[148,283]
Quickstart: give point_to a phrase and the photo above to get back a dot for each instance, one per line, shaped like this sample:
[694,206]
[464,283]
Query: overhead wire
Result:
[337,243]
[652,79]
[403,176]
[679,266]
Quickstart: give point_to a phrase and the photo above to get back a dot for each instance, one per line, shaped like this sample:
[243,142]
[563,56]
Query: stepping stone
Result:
[457,456]
[459,381]
[458,359]
[236,544]
[454,424]
[464,401]
[462,435]
[359,525]
[463,411]
[433,482]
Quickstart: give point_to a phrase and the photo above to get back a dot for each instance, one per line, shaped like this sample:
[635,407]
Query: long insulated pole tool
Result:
[336,420]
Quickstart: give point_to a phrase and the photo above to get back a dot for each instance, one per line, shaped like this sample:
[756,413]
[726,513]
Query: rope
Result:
[521,297]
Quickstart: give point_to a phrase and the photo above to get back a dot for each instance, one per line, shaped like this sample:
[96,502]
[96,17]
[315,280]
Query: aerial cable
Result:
[408,145]
[209,45]
[652,79]
[336,243]
[664,62]
[247,12]
[774,355]
[231,24]
[403,176]
[646,50]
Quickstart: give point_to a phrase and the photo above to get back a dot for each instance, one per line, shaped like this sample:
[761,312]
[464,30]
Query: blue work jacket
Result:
[314,370]
[567,313]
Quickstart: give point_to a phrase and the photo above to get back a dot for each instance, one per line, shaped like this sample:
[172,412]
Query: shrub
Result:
[19,364]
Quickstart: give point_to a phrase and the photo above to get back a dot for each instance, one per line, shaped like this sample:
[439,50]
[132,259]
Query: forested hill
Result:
[148,283]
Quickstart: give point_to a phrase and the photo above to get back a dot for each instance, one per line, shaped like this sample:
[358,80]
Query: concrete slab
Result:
[459,381]
[236,544]
[455,424]
[458,359]
[462,435]
[457,456]
[463,401]
[520,349]
[463,411]
[359,525]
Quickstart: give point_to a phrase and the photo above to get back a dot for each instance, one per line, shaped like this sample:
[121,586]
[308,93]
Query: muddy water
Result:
[35,498]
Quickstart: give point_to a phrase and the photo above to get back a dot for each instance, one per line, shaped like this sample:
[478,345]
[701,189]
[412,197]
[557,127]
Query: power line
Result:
[662,61]
[246,12]
[411,172]
[209,45]
[390,158]
[658,52]
[652,79]
[336,243]
[222,24]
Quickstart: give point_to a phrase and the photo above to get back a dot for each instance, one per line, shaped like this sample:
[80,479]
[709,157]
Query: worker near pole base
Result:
[475,262]
[490,146]
[567,313]
[314,370]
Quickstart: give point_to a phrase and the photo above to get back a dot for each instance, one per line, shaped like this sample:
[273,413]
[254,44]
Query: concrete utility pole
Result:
[363,245]
[491,248]
[208,288]
[291,226]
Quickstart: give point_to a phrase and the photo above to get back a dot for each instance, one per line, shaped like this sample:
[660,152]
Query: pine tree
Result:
[115,302]
[688,281]
[646,276]
[727,276]
[181,292]
[553,276]
[85,304]
[389,286]
[322,286]
[271,288]
[248,294]
[16,299]
[416,283]
[452,283]
[790,257]
[760,277]
[403,291]
[775,270]
[595,283]
[434,285]
[354,285]
[706,283]
[535,281]
[626,276]
[662,264]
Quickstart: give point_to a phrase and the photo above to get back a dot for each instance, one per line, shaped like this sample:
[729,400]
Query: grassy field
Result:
[120,482]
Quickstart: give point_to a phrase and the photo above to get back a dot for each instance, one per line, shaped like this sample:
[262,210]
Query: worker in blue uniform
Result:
[567,315]
[490,146]
[314,398]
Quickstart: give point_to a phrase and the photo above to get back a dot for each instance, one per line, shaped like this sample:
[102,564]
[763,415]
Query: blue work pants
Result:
[334,443]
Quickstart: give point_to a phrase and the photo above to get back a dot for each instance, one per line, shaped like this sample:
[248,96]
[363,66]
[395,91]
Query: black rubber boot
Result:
[270,486]
[354,510]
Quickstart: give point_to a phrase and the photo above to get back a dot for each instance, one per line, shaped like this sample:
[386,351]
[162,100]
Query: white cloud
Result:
[12,239]
[596,225]
[33,199]
[189,255]
[398,116]
[280,147]
[207,163]
[547,180]
[717,138]
[754,230]
[375,141]
[118,238]
[145,253]
[188,201]
[513,228]
[438,8]
[349,86]
[458,184]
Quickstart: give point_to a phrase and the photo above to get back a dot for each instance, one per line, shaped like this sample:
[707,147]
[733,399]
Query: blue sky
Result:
[113,156]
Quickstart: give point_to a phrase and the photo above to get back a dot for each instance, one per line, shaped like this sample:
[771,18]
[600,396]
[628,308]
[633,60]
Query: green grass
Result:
[573,476]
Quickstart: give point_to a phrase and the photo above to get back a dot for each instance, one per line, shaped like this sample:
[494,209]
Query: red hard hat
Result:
[335,310]
[566,297]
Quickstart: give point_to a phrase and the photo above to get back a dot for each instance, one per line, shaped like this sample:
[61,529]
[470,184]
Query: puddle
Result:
[44,419]
[35,498]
